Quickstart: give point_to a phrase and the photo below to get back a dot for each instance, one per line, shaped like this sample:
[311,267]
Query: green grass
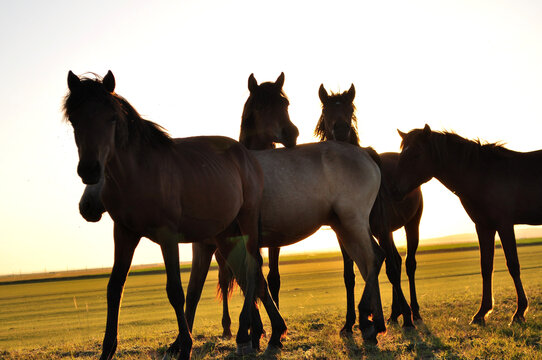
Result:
[66,319]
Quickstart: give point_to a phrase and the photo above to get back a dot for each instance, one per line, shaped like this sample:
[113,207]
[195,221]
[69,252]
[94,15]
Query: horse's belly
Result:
[287,222]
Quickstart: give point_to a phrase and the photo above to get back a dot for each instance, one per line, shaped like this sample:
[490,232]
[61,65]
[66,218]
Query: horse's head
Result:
[416,161]
[265,119]
[93,113]
[338,119]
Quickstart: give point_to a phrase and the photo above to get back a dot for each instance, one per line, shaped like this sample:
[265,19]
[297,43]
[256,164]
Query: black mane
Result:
[129,123]
[445,145]
[320,130]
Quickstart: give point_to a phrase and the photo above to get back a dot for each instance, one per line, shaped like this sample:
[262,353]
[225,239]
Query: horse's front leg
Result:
[350,283]
[486,239]
[182,346]
[273,278]
[202,255]
[125,245]
[508,241]
[225,282]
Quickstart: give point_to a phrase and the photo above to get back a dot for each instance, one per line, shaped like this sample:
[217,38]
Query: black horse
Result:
[497,187]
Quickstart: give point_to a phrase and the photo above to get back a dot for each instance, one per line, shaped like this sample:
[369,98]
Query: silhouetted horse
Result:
[497,187]
[338,122]
[290,215]
[170,191]
[307,186]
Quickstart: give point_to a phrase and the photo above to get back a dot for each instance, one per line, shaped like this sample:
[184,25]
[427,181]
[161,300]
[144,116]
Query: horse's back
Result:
[306,184]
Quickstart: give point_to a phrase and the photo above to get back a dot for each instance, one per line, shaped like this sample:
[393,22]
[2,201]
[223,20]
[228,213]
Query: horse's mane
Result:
[265,97]
[129,123]
[447,144]
[320,130]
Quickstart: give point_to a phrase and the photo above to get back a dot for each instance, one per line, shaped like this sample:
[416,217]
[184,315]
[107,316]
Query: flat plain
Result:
[64,318]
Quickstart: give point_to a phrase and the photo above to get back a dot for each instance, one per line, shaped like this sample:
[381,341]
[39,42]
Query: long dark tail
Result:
[379,218]
[226,281]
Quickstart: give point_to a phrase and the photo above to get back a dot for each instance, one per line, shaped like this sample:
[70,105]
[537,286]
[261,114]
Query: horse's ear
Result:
[322,93]
[401,134]
[252,83]
[280,81]
[73,81]
[427,130]
[109,82]
[351,93]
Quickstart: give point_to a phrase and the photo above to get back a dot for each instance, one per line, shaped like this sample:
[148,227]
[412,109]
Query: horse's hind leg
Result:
[508,241]
[486,239]
[396,301]
[412,231]
[273,278]
[181,348]
[393,266]
[202,255]
[349,283]
[363,250]
[225,282]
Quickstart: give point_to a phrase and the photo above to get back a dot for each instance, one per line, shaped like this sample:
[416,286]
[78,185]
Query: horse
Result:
[170,191]
[497,187]
[338,122]
[308,209]
[306,187]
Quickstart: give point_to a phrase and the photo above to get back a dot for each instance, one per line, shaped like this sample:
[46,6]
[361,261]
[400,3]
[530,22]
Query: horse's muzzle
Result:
[341,131]
[90,172]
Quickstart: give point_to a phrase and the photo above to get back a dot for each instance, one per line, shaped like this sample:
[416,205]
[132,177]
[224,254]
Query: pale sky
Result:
[474,67]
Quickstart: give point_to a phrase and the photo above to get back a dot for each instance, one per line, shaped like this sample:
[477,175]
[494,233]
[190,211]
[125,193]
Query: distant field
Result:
[65,319]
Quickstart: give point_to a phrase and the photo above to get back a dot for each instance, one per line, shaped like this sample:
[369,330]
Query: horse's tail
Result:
[226,279]
[228,283]
[379,217]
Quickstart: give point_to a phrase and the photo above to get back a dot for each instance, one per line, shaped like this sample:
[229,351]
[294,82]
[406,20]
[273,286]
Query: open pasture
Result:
[66,319]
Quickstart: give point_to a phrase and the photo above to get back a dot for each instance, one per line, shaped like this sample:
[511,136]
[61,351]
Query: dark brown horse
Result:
[306,186]
[338,122]
[497,187]
[170,191]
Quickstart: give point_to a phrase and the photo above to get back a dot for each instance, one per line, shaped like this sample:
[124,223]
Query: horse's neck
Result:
[253,143]
[458,175]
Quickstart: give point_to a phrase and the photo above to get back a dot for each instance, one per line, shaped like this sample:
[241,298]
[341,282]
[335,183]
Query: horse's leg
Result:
[349,283]
[202,255]
[412,230]
[396,302]
[181,348]
[486,239]
[125,245]
[257,286]
[508,241]
[393,266]
[368,256]
[273,278]
[225,281]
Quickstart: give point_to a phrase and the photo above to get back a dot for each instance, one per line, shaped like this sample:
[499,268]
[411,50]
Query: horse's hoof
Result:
[417,317]
[517,319]
[171,355]
[392,321]
[226,335]
[272,351]
[346,331]
[369,335]
[244,349]
[478,321]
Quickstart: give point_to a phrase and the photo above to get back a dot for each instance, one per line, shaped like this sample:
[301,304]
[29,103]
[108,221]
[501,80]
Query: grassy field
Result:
[65,319]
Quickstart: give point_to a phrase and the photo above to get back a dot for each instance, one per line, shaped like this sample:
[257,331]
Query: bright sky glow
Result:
[470,66]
